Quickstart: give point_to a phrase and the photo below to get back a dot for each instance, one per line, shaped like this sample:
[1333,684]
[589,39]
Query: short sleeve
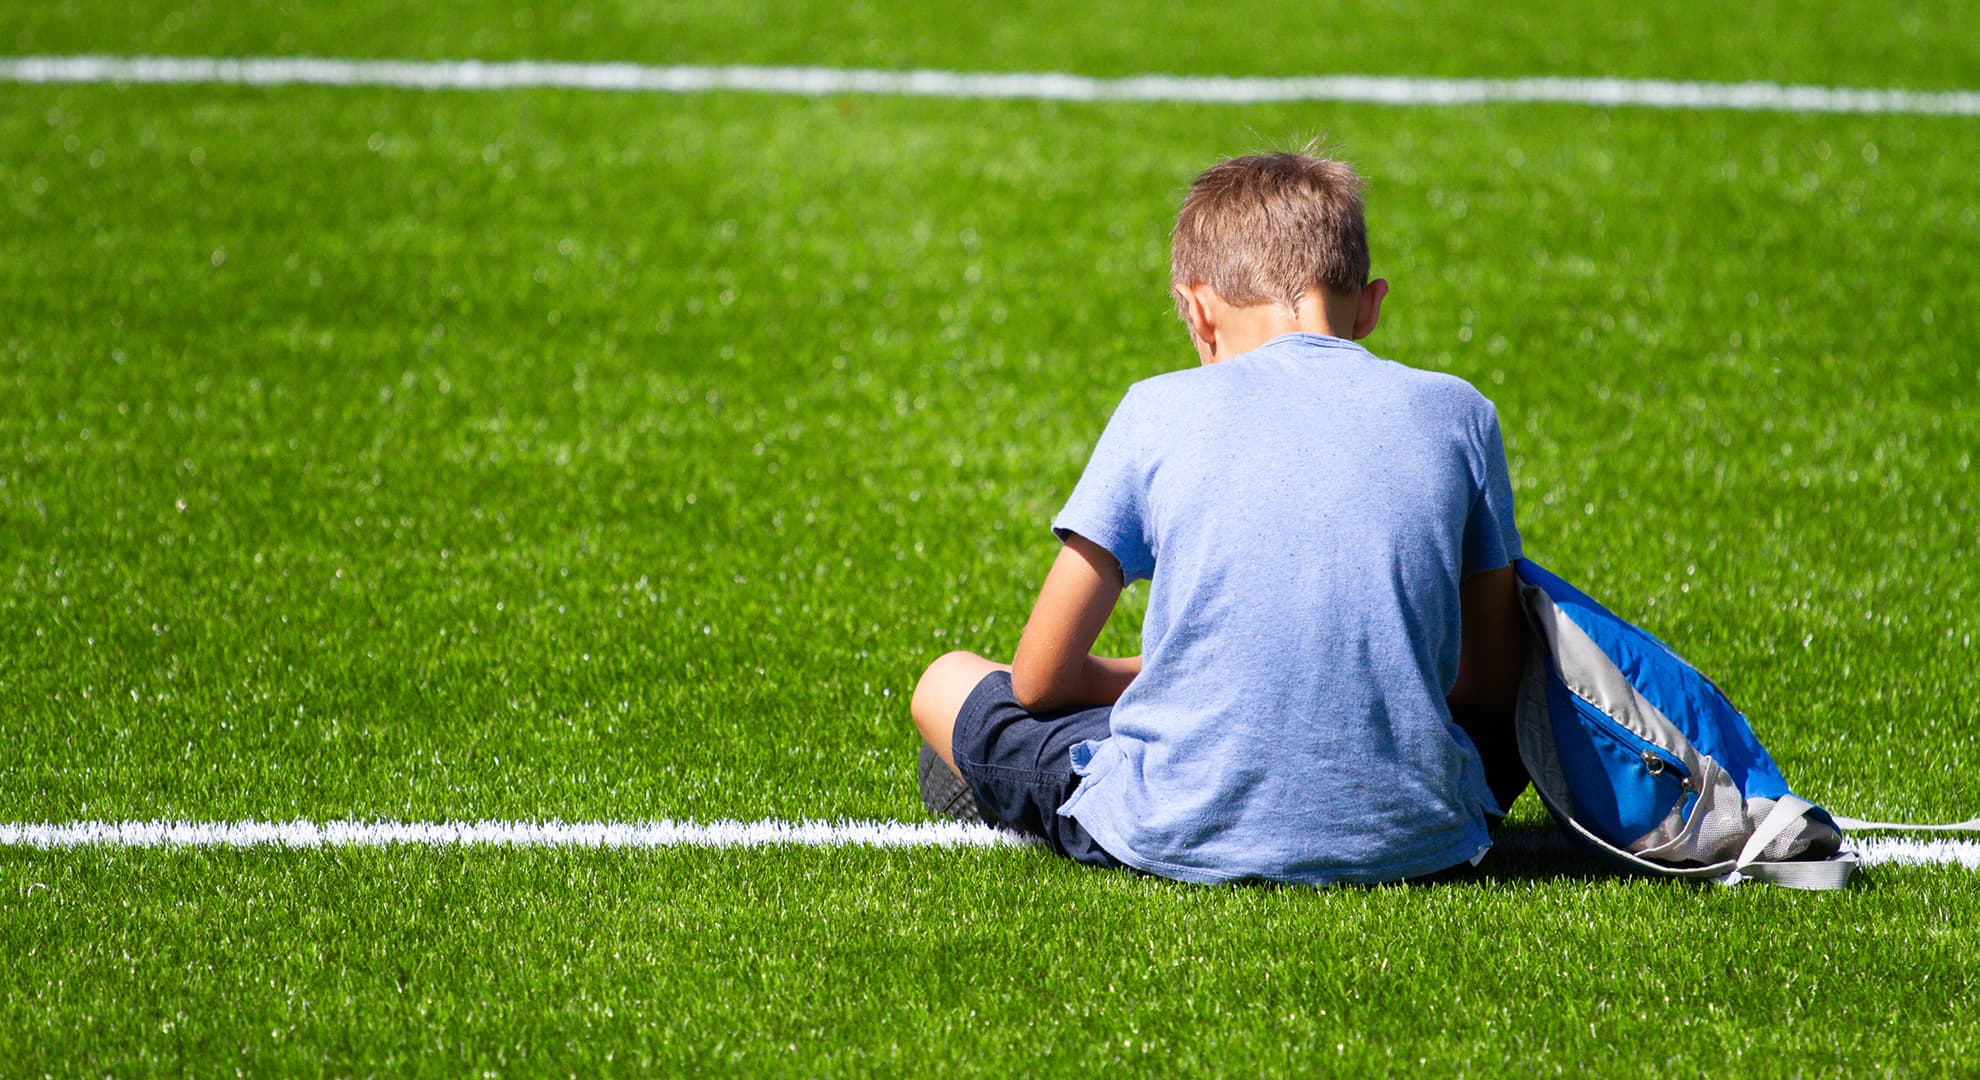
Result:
[1491,539]
[1109,505]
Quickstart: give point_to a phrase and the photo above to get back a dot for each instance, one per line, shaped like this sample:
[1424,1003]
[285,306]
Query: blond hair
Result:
[1272,227]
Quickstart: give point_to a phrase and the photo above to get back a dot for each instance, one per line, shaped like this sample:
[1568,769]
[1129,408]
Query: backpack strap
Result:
[1833,872]
[1830,873]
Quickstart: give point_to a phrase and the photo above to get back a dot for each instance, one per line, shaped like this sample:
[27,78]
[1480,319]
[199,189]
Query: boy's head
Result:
[1280,230]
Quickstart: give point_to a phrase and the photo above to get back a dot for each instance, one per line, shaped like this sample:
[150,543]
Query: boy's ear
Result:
[1196,300]
[1368,308]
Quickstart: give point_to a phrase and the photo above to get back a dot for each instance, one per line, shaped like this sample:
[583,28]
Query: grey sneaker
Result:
[943,792]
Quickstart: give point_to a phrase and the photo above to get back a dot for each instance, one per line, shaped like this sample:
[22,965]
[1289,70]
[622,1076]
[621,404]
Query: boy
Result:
[1329,541]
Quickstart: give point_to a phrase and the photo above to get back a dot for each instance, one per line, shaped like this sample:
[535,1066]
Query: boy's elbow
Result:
[1032,688]
[1029,697]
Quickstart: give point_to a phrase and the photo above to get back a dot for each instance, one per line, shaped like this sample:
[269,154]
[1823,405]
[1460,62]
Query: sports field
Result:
[546,455]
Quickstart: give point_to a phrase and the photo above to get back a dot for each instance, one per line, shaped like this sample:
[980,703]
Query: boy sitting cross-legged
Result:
[1333,640]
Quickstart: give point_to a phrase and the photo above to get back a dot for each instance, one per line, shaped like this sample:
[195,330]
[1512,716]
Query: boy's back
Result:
[1328,537]
[1313,509]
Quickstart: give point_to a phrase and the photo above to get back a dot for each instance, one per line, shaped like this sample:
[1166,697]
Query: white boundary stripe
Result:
[1872,852]
[650,834]
[654,834]
[1920,853]
[1042,86]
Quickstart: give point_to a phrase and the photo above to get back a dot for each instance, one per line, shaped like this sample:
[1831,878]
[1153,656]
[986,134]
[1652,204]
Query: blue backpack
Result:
[1644,760]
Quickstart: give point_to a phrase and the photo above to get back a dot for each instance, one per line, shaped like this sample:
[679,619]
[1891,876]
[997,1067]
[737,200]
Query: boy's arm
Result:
[1054,668]
[1492,649]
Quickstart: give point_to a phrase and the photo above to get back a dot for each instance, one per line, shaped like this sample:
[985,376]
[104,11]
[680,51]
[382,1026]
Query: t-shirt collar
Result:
[1308,338]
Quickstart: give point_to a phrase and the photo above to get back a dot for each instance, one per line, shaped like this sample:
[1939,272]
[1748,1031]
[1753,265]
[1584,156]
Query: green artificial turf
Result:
[605,457]
[855,963]
[1923,45]
[386,453]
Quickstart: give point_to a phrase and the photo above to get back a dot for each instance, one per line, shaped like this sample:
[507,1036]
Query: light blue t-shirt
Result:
[1304,513]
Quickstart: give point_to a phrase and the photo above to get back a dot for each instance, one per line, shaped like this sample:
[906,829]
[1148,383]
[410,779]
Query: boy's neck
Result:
[1222,330]
[1243,329]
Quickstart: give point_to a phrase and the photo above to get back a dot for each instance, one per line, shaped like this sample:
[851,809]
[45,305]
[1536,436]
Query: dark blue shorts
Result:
[1019,766]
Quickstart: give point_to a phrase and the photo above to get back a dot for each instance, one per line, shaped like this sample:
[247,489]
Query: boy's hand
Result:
[1054,668]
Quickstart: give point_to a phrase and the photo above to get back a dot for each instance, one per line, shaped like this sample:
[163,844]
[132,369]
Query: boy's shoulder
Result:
[1328,371]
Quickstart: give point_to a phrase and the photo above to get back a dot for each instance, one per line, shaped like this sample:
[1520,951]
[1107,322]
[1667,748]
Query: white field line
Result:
[601,834]
[1920,852]
[654,834]
[1040,86]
